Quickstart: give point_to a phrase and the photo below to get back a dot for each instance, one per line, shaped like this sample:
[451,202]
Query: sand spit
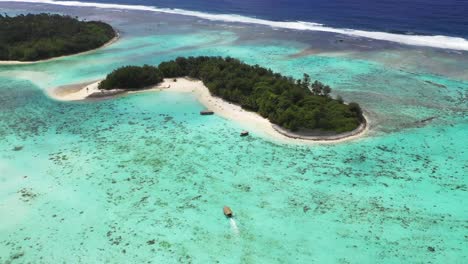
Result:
[249,120]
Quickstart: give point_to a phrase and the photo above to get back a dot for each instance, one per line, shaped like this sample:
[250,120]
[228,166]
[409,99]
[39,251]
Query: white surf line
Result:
[444,42]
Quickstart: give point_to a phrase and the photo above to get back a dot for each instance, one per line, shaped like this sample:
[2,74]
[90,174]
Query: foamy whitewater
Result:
[444,42]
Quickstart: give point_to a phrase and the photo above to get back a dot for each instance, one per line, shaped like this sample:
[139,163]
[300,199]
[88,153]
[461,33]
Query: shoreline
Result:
[333,137]
[249,120]
[108,43]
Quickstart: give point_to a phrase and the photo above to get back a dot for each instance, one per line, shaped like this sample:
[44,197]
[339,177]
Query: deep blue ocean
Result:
[422,17]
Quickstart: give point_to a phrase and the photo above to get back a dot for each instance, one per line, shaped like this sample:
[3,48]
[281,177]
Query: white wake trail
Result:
[234,227]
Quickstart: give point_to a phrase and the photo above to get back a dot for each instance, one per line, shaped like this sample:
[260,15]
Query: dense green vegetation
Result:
[132,78]
[35,37]
[292,104]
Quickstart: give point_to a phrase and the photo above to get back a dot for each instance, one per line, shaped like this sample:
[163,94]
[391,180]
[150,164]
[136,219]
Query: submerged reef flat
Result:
[144,178]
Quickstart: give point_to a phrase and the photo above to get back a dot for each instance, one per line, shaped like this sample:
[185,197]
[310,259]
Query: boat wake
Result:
[444,42]
[234,227]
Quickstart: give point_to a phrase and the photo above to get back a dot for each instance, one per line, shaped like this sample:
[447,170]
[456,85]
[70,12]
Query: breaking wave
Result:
[444,42]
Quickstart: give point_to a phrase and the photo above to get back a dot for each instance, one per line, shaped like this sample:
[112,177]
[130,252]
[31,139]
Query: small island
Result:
[35,37]
[296,108]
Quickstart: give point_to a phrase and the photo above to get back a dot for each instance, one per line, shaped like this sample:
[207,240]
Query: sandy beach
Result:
[110,42]
[249,120]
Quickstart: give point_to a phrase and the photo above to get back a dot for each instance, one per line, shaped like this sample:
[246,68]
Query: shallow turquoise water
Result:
[143,178]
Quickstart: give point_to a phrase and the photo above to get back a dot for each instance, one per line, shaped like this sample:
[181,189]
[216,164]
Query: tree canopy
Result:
[132,78]
[289,103]
[35,37]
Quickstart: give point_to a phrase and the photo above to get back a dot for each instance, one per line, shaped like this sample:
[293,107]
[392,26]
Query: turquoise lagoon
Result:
[143,178]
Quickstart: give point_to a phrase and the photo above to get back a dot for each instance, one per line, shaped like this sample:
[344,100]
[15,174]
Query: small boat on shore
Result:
[244,133]
[227,211]
[206,112]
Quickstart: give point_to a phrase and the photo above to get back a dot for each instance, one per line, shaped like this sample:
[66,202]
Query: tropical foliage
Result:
[42,36]
[132,78]
[292,104]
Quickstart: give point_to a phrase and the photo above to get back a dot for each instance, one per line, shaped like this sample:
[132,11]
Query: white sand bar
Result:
[249,120]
